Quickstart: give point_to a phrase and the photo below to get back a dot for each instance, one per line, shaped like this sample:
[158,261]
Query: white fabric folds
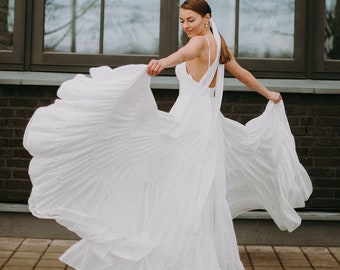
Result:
[149,190]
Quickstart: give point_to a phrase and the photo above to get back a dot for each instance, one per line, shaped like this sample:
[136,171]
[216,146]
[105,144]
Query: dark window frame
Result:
[278,67]
[168,44]
[14,59]
[308,60]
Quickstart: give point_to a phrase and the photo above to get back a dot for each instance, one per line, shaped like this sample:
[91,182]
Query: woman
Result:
[150,190]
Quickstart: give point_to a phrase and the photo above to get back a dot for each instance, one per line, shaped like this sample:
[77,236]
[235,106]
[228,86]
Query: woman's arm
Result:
[245,77]
[190,51]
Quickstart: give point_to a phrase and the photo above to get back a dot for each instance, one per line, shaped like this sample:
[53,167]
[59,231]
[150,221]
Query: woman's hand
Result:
[274,96]
[155,67]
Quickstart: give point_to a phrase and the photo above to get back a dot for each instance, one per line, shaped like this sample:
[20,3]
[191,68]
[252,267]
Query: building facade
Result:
[292,46]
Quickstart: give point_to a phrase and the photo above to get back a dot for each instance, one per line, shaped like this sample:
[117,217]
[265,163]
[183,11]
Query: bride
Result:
[149,190]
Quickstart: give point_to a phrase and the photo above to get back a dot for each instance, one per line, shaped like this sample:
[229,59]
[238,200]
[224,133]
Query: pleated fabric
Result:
[149,190]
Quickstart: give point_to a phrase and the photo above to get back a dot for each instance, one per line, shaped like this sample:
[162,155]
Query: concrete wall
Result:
[253,228]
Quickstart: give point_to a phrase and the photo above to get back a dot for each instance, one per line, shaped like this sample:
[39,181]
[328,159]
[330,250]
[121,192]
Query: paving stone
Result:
[34,245]
[26,255]
[287,249]
[17,268]
[51,263]
[265,262]
[268,268]
[60,245]
[315,250]
[2,261]
[295,263]
[10,240]
[5,254]
[259,253]
[322,260]
[51,255]
[36,242]
[259,249]
[9,244]
[291,256]
[299,268]
[327,268]
[49,268]
[334,250]
[21,262]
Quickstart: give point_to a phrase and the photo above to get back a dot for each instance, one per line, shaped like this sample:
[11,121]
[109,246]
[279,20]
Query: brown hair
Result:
[202,7]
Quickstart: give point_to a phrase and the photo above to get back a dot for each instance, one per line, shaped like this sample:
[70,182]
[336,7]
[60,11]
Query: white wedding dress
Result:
[149,190]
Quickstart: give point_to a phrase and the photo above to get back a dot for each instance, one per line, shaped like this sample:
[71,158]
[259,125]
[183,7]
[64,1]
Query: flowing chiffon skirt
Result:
[150,190]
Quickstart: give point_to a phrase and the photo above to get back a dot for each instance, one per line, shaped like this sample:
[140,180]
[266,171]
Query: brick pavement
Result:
[43,254]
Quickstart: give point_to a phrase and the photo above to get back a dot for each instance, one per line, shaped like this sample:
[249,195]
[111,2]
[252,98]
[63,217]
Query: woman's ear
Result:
[206,19]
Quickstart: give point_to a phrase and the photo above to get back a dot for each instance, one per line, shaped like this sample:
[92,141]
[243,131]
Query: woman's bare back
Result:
[198,66]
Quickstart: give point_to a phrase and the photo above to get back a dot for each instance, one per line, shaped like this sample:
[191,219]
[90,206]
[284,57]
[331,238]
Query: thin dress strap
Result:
[208,51]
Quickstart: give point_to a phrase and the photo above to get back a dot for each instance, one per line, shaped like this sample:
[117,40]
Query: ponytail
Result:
[225,56]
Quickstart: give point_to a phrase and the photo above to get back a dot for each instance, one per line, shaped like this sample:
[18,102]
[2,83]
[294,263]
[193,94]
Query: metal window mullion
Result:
[27,34]
[101,35]
[237,27]
[168,36]
[74,27]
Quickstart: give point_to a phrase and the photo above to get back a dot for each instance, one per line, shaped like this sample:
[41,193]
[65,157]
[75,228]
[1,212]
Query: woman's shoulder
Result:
[197,44]
[198,41]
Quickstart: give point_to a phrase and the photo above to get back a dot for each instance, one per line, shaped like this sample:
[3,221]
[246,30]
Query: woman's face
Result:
[193,24]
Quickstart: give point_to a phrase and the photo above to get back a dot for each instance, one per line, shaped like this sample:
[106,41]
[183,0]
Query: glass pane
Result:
[266,28]
[72,26]
[332,29]
[6,24]
[132,27]
[129,27]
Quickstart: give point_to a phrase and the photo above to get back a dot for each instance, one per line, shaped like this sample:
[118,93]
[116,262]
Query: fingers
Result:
[275,97]
[154,67]
[278,98]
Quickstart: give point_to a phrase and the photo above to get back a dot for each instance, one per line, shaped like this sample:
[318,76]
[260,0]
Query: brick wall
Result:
[314,120]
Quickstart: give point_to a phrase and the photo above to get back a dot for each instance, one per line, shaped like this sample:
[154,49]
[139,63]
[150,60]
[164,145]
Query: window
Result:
[327,40]
[271,36]
[73,35]
[12,20]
